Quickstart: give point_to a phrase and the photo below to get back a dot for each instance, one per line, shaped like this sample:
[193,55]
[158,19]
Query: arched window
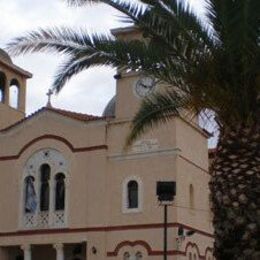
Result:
[30,195]
[132,192]
[138,256]
[126,256]
[14,93]
[44,197]
[191,195]
[60,191]
[2,87]
[132,195]
[45,171]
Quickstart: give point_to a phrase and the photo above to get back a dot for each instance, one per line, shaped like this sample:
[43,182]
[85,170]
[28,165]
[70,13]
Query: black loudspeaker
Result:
[166,190]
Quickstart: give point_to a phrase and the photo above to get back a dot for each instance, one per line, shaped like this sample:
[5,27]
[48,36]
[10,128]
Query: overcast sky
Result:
[88,92]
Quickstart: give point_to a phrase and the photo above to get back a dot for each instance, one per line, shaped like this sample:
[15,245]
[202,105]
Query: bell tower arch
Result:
[12,91]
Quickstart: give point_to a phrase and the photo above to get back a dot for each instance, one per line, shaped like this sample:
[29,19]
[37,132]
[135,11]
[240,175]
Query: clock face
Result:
[144,86]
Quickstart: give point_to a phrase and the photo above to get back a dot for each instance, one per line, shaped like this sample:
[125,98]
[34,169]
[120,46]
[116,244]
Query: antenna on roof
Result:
[49,94]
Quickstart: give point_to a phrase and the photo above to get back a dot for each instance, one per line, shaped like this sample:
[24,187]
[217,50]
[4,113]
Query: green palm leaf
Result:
[157,109]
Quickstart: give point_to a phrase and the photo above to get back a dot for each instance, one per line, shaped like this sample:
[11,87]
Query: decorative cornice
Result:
[57,138]
[152,252]
[124,30]
[142,155]
[144,244]
[194,245]
[16,69]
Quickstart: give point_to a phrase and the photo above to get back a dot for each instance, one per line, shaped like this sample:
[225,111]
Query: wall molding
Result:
[208,250]
[142,155]
[102,229]
[53,137]
[152,252]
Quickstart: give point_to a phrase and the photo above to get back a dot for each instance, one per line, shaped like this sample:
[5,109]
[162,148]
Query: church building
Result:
[69,190]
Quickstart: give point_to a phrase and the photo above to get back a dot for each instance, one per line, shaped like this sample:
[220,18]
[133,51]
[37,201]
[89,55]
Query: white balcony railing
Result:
[59,219]
[44,220]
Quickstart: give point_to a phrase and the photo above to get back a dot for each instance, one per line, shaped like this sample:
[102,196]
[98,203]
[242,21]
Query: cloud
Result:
[88,92]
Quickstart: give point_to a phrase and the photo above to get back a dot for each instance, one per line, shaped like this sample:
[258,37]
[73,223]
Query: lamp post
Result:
[165,193]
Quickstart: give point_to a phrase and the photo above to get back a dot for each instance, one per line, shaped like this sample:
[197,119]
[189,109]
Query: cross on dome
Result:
[49,94]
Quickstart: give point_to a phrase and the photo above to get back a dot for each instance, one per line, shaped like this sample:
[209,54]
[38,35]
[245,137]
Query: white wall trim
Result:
[142,155]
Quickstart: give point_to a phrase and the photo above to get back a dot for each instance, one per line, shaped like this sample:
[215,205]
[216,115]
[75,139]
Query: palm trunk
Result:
[235,194]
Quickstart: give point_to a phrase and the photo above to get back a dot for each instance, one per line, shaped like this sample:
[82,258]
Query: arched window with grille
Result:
[44,192]
[2,87]
[132,195]
[60,191]
[30,202]
[45,171]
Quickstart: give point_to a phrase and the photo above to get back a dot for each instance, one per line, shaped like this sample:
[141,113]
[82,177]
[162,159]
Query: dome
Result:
[5,56]
[110,110]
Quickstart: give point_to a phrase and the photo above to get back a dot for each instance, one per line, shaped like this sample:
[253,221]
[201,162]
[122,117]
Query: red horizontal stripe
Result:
[54,137]
[101,229]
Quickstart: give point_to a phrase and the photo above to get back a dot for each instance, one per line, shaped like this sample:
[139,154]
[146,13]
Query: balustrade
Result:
[43,220]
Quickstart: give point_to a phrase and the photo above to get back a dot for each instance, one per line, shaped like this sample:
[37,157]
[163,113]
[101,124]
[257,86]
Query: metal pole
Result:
[165,232]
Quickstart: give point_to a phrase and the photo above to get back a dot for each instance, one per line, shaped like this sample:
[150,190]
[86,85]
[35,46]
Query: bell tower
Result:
[129,91]
[12,91]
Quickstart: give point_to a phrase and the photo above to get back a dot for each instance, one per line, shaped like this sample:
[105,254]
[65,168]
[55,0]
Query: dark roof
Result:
[110,110]
[124,30]
[74,115]
[5,56]
[7,62]
[66,113]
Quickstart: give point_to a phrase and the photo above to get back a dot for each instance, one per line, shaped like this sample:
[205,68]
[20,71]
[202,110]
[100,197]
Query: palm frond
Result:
[62,40]
[132,56]
[131,9]
[155,110]
[216,66]
[165,19]
[170,19]
[237,24]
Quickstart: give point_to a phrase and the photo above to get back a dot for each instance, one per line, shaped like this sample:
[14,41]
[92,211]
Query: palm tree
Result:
[213,66]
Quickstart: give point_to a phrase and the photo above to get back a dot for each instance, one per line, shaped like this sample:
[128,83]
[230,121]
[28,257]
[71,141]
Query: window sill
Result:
[132,211]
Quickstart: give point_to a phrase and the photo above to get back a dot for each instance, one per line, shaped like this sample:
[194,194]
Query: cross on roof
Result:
[49,94]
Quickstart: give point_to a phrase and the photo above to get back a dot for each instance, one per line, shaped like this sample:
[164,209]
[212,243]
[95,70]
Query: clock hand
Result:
[145,86]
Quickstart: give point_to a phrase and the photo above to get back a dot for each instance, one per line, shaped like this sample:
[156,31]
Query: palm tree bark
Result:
[235,194]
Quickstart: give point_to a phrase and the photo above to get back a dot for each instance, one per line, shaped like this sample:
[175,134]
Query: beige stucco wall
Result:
[95,179]
[9,116]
